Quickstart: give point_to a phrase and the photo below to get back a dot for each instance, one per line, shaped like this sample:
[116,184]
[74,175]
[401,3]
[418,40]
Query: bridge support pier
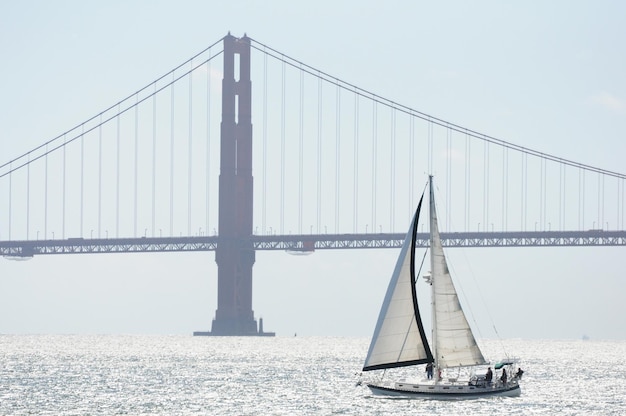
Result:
[234,253]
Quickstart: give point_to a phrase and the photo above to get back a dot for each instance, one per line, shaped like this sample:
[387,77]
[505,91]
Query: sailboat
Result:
[400,340]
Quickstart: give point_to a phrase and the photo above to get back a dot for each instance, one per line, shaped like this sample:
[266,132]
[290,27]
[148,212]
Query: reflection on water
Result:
[179,375]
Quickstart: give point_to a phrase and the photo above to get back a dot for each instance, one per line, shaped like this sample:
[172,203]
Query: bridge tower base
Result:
[235,328]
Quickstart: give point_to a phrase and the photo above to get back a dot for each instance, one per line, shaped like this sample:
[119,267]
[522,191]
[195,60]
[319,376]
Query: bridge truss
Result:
[308,243]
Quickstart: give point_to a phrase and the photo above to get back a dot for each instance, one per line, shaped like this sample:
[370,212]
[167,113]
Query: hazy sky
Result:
[544,75]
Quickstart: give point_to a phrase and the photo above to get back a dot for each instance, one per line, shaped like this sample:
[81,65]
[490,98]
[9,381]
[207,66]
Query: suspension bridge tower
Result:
[235,253]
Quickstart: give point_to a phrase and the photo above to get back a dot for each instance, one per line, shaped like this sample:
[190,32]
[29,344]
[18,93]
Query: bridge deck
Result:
[310,242]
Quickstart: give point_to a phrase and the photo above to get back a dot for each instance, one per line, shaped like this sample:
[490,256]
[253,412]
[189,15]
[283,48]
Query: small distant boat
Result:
[399,338]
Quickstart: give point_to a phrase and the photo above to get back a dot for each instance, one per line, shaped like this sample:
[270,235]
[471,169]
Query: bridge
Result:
[310,242]
[335,166]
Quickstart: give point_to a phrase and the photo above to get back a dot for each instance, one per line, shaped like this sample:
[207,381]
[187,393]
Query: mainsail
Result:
[399,339]
[454,344]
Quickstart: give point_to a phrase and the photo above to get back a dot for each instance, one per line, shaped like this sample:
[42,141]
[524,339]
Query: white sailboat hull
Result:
[445,391]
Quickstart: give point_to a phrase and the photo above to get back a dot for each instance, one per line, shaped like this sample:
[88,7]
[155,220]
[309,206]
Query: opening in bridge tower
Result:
[235,253]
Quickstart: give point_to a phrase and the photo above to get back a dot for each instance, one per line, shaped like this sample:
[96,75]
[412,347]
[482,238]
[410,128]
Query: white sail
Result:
[454,344]
[399,338]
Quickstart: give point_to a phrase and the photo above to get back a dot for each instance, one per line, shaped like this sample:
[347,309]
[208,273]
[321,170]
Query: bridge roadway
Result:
[309,242]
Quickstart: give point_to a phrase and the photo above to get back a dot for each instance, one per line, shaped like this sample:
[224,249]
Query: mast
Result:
[432,286]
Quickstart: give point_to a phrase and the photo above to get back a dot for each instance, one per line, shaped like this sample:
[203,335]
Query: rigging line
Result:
[419,270]
[121,101]
[482,298]
[415,113]
[156,91]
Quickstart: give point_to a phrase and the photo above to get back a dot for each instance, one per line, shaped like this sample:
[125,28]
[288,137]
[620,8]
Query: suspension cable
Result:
[415,113]
[118,104]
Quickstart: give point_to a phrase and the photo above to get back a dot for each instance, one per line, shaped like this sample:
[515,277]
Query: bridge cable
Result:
[208,145]
[319,155]
[355,189]
[283,153]
[415,113]
[374,163]
[99,174]
[154,146]
[136,181]
[172,134]
[301,153]
[190,157]
[337,155]
[393,169]
[264,168]
[109,109]
[117,179]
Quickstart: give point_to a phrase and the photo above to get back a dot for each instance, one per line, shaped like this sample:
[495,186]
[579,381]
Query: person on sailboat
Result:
[503,377]
[519,373]
[489,376]
[429,371]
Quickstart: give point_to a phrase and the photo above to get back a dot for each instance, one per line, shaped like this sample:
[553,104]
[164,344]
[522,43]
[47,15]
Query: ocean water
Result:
[185,375]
